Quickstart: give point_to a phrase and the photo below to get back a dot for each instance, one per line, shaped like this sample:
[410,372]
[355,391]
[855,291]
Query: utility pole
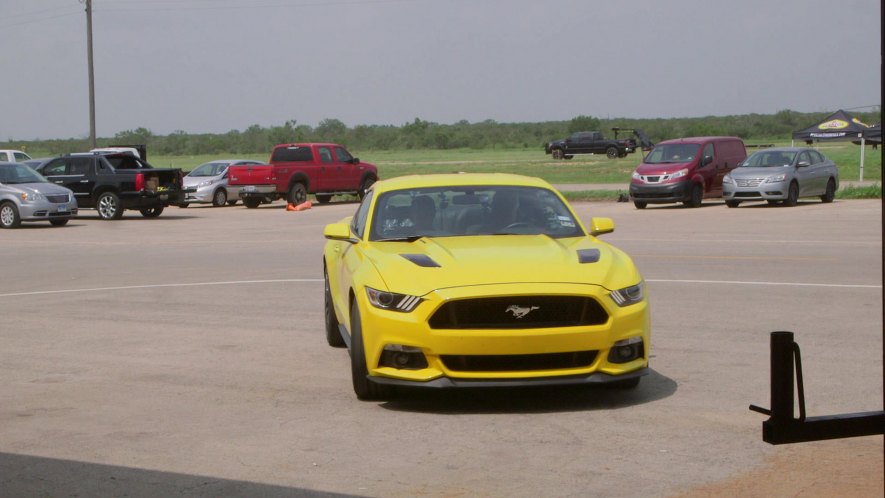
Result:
[91,73]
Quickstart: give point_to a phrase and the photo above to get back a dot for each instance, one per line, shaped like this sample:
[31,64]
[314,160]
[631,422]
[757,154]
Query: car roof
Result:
[696,140]
[782,149]
[459,180]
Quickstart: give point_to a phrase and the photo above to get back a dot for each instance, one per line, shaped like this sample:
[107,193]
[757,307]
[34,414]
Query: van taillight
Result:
[139,182]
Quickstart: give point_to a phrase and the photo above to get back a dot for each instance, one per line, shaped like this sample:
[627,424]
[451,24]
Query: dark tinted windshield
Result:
[672,153]
[209,169]
[12,174]
[475,210]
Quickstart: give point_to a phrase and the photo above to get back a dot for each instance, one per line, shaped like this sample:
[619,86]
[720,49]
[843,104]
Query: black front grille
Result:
[519,312]
[652,195]
[58,198]
[518,362]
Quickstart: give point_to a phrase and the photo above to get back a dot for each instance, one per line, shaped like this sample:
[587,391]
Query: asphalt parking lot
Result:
[186,355]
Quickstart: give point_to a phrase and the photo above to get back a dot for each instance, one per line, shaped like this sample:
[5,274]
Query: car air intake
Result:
[518,363]
[519,312]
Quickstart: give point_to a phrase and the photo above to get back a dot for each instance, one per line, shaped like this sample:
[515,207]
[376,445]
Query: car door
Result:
[349,170]
[712,172]
[805,174]
[75,173]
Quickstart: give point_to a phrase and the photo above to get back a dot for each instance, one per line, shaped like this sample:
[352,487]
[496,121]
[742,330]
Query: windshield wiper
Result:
[411,238]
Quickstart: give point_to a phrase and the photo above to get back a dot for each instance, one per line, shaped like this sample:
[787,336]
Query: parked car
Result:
[480,280]
[686,170]
[13,156]
[781,176]
[210,181]
[26,196]
[37,163]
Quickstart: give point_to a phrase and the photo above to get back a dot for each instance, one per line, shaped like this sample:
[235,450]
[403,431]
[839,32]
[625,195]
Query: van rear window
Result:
[291,154]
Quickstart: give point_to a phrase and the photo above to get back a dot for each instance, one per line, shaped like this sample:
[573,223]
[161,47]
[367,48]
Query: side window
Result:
[80,166]
[816,157]
[325,154]
[342,155]
[708,150]
[358,224]
[805,157]
[20,157]
[55,167]
[104,166]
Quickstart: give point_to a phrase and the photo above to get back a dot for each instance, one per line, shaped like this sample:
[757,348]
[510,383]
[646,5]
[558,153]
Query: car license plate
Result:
[62,208]
[249,188]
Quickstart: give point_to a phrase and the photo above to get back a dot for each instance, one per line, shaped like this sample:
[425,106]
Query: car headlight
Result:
[679,174]
[392,301]
[206,183]
[727,180]
[629,295]
[775,178]
[33,197]
[636,175]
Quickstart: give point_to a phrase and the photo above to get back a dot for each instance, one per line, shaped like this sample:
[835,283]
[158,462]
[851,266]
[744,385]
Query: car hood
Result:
[661,168]
[758,172]
[430,264]
[44,188]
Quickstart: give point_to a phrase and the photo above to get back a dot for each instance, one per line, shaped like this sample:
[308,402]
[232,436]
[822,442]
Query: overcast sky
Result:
[211,66]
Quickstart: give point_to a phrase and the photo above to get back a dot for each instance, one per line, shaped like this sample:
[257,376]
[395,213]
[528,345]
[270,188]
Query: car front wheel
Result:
[362,386]
[732,204]
[9,217]
[109,207]
[612,152]
[830,193]
[792,195]
[220,198]
[696,197]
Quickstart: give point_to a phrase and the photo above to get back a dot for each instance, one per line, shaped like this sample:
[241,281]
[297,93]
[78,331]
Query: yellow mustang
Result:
[480,280]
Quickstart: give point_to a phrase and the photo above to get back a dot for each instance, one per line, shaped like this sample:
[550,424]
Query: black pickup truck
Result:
[593,142]
[111,182]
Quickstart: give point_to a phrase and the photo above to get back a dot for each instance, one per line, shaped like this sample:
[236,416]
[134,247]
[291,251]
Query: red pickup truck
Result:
[296,170]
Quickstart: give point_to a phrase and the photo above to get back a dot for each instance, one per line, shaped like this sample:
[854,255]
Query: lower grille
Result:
[516,363]
[519,312]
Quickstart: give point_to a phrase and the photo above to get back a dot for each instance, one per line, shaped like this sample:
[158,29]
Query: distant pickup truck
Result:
[111,182]
[295,170]
[593,142]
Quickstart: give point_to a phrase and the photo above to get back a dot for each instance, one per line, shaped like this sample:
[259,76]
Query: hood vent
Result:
[421,260]
[588,255]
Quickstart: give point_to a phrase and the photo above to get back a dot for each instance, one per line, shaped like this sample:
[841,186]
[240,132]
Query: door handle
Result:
[84,181]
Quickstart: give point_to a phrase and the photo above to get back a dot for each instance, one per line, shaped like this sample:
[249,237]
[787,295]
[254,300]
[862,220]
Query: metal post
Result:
[92,140]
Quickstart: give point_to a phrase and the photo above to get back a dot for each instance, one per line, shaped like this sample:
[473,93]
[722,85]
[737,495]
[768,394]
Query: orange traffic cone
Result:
[291,207]
[304,206]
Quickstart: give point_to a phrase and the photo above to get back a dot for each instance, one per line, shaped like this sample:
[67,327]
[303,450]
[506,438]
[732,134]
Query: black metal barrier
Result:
[782,427]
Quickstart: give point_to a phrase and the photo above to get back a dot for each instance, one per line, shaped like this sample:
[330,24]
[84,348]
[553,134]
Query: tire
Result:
[696,197]
[219,198]
[792,195]
[364,187]
[640,204]
[9,216]
[772,202]
[732,204]
[297,194]
[252,202]
[567,156]
[108,206]
[183,205]
[556,153]
[830,193]
[232,203]
[58,223]
[362,386]
[324,198]
[151,212]
[333,334]
[612,152]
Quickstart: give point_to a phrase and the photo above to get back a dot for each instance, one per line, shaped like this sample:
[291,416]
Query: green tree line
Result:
[420,134]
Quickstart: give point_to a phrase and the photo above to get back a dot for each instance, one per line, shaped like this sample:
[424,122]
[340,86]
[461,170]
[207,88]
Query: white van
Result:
[13,156]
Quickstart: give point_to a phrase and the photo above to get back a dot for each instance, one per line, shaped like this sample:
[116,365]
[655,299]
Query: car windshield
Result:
[769,159]
[410,214]
[209,169]
[11,174]
[672,153]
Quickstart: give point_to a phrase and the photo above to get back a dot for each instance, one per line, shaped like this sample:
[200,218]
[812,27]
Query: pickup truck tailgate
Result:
[252,174]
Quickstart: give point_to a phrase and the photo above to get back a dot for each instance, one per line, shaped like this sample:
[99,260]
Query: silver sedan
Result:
[210,182]
[781,176]
[26,196]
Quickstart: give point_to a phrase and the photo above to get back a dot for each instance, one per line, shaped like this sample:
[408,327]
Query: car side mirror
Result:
[338,231]
[706,160]
[599,226]
[355,161]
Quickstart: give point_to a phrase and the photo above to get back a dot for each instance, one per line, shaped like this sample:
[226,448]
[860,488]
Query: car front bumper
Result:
[660,193]
[46,210]
[755,191]
[450,353]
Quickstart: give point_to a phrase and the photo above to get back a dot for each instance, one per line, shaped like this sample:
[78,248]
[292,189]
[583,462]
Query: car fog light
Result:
[402,357]
[626,350]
